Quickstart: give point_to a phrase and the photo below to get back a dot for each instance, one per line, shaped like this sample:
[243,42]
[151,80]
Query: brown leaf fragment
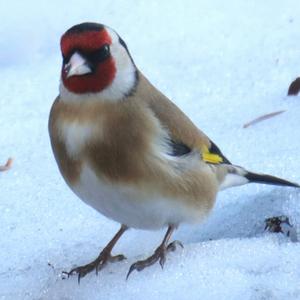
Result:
[294,87]
[281,224]
[7,166]
[263,117]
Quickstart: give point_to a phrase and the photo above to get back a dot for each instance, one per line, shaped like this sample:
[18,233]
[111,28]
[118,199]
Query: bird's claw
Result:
[81,271]
[173,246]
[116,258]
[159,255]
[97,265]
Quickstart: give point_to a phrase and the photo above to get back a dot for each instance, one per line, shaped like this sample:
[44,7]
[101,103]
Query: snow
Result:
[224,63]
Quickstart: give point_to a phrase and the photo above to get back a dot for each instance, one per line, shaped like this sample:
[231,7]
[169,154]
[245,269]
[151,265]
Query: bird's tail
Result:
[238,176]
[269,179]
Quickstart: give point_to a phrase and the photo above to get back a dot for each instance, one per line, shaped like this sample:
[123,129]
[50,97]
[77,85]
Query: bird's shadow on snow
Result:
[244,216]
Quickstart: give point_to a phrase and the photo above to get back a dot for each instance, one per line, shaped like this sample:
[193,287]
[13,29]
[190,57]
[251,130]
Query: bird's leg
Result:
[104,257]
[158,255]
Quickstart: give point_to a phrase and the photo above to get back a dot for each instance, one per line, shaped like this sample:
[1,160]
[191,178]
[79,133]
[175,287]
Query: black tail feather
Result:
[268,179]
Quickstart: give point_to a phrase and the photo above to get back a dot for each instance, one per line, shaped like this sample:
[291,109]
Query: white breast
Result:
[129,206]
[76,135]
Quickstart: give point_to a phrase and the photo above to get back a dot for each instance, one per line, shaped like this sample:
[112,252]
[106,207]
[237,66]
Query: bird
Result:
[128,151]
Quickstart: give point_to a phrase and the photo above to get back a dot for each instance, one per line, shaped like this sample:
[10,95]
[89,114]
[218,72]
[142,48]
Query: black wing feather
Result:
[215,150]
[178,148]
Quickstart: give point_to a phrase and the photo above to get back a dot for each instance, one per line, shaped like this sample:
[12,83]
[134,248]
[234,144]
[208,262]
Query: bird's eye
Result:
[105,48]
[100,54]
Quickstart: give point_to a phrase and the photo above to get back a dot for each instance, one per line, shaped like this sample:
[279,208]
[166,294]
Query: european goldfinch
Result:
[129,152]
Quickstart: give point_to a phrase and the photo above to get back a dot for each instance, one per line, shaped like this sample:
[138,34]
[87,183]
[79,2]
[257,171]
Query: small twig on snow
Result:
[264,117]
[7,166]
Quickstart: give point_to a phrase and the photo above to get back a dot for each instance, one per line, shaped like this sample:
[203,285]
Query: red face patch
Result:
[93,82]
[104,72]
[90,40]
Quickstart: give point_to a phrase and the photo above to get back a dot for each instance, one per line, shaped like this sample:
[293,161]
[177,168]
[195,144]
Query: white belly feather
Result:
[129,206]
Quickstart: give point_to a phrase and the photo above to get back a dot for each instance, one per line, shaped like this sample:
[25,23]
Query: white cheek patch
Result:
[125,76]
[76,135]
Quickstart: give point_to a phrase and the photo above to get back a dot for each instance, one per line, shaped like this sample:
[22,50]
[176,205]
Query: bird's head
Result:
[96,64]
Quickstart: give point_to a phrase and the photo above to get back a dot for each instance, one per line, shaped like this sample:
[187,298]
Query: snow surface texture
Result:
[224,63]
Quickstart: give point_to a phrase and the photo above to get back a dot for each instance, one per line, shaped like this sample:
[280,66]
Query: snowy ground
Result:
[224,63]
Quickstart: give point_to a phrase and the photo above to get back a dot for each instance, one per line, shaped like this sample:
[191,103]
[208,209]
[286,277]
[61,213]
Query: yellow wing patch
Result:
[210,157]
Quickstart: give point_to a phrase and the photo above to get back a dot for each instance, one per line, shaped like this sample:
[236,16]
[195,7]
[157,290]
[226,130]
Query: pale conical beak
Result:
[77,66]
